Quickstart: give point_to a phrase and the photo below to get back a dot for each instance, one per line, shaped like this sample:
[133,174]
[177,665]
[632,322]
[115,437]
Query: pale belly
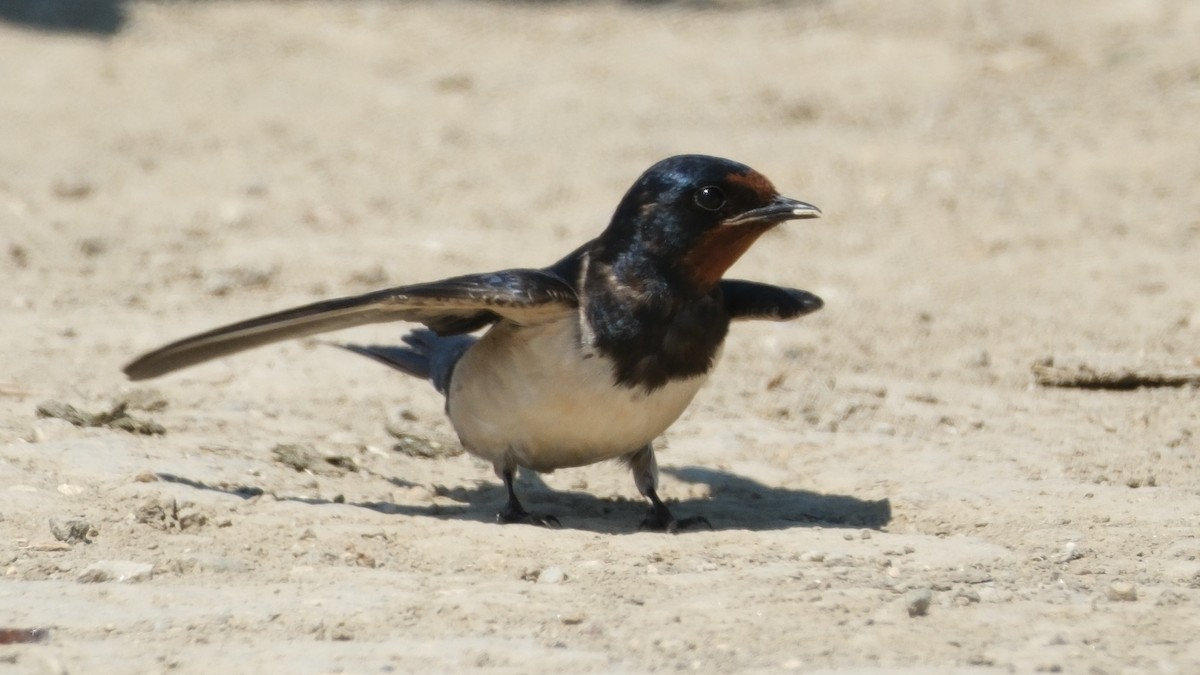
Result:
[528,397]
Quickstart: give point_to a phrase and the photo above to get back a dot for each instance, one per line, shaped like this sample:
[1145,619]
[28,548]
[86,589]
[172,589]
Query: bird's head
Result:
[695,215]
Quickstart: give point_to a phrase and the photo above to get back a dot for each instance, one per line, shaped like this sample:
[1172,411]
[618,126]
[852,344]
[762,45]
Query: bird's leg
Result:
[513,512]
[645,476]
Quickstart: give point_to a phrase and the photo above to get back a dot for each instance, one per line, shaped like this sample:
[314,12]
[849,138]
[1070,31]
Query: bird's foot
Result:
[662,521]
[509,515]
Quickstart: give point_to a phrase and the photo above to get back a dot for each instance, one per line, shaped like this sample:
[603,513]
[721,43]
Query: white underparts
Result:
[532,397]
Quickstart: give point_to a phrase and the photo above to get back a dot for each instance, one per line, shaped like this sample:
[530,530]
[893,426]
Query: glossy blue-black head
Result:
[697,215]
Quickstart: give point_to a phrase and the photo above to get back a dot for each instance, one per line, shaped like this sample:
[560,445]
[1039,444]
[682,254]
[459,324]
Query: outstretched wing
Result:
[752,300]
[451,306]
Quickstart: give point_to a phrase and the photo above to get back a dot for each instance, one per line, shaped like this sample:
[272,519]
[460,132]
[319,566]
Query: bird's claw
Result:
[525,518]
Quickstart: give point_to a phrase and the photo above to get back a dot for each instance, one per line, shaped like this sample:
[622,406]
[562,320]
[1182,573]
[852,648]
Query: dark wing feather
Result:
[752,300]
[457,305]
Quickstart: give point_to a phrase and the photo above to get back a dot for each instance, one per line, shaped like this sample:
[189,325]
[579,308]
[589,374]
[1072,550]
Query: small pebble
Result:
[917,601]
[551,575]
[1121,591]
[116,570]
[73,530]
[1070,551]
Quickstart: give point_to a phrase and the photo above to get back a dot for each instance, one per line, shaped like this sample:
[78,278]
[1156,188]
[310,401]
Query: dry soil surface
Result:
[890,489]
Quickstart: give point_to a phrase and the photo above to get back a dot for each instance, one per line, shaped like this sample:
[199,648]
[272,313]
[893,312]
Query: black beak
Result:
[779,210]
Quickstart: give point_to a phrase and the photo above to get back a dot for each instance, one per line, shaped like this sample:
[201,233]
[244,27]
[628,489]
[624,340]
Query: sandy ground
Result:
[1002,181]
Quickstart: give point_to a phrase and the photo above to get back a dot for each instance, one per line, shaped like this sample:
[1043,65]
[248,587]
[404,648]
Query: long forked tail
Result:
[426,355]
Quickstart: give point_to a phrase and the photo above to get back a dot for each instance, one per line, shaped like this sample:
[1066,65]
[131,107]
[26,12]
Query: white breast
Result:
[530,396]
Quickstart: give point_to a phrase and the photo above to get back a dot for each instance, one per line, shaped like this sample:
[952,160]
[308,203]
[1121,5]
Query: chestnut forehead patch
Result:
[754,182]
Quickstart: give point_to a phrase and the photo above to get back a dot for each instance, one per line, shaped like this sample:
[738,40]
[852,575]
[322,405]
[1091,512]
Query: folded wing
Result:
[747,300]
[448,307]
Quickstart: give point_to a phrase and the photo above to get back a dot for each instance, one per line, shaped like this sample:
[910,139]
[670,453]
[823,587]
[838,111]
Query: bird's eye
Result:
[710,198]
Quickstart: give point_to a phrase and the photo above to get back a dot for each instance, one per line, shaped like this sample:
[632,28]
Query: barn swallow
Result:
[589,359]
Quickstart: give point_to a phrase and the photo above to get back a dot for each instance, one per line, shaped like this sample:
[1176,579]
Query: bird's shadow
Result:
[735,503]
